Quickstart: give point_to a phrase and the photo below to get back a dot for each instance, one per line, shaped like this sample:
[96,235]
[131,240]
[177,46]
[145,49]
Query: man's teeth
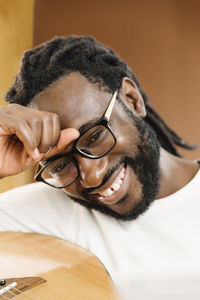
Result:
[115,186]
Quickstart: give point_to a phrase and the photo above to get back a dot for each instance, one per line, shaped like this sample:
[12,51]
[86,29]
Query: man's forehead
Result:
[74,99]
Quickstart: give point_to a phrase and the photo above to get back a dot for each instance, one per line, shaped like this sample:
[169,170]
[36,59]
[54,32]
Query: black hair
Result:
[43,65]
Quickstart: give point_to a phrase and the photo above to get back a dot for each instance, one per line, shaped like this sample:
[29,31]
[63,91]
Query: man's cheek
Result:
[71,190]
[126,143]
[74,190]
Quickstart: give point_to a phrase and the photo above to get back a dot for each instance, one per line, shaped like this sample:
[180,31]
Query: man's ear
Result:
[132,97]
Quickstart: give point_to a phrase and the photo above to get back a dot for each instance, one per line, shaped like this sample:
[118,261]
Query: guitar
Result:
[41,267]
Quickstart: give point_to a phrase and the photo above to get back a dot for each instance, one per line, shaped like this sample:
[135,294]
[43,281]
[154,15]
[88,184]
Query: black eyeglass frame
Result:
[75,150]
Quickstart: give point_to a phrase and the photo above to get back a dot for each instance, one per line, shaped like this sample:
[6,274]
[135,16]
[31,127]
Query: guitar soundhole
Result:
[11,287]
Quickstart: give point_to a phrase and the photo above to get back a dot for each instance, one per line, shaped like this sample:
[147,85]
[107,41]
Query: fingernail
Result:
[48,150]
[37,155]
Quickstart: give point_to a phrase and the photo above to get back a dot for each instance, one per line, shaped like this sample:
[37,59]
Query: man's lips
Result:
[113,193]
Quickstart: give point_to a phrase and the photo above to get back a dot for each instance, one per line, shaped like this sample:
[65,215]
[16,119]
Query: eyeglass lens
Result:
[63,171]
[95,142]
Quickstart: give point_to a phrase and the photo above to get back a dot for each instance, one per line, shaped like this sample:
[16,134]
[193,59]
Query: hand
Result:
[28,136]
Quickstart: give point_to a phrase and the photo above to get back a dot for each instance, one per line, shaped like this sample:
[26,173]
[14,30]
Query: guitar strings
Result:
[3,296]
[9,291]
[22,293]
[13,294]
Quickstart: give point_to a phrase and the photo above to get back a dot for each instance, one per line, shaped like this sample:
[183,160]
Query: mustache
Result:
[107,176]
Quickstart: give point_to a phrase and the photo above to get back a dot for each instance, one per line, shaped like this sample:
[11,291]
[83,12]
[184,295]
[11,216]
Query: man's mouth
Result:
[113,194]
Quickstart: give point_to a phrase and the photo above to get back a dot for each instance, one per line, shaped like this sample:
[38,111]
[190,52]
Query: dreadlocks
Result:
[43,65]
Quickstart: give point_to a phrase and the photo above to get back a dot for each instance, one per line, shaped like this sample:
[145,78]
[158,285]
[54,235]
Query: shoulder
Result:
[30,191]
[35,195]
[37,208]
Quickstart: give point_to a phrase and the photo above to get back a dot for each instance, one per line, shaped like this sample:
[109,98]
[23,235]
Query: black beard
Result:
[146,167]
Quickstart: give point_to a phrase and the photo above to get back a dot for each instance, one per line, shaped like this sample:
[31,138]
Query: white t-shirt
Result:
[154,257]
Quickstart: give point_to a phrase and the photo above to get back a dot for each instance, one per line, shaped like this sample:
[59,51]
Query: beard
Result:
[145,164]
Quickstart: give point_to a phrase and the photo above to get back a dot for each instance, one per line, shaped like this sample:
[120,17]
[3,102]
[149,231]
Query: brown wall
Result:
[160,40]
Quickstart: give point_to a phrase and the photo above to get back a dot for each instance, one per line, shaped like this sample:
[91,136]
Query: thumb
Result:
[67,136]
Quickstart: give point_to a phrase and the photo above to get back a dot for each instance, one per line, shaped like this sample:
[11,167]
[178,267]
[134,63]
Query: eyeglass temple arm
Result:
[110,106]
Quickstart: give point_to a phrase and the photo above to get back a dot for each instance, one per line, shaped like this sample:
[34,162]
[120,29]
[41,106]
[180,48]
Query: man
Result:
[80,111]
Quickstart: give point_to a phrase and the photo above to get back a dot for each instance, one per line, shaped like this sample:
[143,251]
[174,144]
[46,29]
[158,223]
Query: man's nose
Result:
[92,171]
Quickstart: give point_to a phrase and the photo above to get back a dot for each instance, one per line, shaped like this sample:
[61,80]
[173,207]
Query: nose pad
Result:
[92,171]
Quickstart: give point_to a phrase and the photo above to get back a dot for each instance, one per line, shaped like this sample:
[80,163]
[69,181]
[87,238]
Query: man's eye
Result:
[93,138]
[58,167]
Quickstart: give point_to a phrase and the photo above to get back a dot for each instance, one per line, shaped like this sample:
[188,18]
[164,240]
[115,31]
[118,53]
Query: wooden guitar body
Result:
[41,267]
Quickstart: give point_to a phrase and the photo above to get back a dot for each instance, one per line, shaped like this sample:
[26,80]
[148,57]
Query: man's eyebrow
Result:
[85,126]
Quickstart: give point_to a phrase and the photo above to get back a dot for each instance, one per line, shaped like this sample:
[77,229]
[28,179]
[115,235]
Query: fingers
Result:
[28,136]
[12,125]
[66,137]
[45,126]
[39,131]
[46,130]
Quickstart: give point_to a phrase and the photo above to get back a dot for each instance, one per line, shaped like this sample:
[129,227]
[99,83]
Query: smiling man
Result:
[79,111]
[113,169]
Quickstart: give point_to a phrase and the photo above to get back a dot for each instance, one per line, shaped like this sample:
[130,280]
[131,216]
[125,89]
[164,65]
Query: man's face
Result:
[126,180]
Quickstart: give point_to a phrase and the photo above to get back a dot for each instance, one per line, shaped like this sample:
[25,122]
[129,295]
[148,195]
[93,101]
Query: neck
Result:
[175,173]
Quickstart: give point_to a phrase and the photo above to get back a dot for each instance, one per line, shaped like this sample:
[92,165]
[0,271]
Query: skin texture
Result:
[50,124]
[25,134]
[141,184]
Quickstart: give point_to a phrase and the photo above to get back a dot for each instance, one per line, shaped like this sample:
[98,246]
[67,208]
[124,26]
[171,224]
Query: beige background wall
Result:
[16,24]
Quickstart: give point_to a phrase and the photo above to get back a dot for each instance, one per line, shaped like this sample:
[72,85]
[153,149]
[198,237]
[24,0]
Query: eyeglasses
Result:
[94,142]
